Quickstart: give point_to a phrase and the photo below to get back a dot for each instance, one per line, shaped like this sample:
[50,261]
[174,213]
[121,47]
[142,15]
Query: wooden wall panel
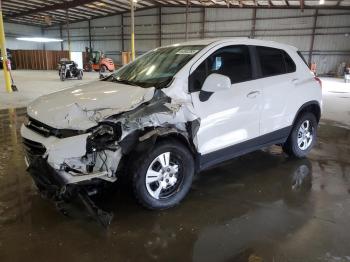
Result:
[38,59]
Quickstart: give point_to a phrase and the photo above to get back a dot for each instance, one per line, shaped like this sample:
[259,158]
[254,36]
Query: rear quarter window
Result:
[274,61]
[290,65]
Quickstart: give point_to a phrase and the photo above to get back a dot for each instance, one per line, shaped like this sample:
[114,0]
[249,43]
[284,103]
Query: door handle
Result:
[253,94]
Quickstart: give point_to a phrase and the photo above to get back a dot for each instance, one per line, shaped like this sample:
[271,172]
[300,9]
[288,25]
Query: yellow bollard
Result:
[4,55]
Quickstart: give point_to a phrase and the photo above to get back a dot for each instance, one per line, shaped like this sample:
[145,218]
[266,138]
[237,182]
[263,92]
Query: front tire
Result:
[162,178]
[303,136]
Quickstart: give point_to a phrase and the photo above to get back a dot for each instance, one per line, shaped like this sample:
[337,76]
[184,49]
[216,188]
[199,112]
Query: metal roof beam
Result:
[53,7]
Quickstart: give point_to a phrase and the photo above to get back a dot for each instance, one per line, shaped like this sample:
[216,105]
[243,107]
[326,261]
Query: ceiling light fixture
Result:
[39,39]
[321,2]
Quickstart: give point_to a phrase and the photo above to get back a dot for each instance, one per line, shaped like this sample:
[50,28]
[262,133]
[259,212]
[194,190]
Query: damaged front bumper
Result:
[52,186]
[68,157]
[57,183]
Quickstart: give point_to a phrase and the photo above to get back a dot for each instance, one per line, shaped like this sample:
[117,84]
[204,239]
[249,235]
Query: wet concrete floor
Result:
[259,207]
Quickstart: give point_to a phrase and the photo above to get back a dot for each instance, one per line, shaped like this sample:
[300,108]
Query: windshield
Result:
[156,68]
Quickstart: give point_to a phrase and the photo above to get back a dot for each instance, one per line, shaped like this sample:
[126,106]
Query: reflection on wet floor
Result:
[259,207]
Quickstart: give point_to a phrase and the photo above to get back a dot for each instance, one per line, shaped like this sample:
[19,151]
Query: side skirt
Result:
[213,158]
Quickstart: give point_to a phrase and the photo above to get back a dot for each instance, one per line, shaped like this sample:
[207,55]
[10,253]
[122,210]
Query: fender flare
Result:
[304,106]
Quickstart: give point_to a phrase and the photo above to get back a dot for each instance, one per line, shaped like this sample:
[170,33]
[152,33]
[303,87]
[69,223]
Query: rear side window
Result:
[274,61]
[231,61]
[290,65]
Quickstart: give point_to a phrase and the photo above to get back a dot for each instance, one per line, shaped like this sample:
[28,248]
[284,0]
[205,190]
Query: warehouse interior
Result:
[246,209]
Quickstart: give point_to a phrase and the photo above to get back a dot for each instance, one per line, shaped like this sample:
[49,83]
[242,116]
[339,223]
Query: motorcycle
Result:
[69,69]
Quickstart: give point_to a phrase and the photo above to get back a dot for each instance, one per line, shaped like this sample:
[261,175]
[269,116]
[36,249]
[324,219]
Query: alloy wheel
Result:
[163,177]
[305,135]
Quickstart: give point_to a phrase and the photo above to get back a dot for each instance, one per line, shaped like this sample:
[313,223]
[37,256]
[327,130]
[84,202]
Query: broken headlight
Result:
[103,137]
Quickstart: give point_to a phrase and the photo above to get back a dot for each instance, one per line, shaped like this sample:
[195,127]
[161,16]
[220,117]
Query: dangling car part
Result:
[170,113]
[54,187]
[69,69]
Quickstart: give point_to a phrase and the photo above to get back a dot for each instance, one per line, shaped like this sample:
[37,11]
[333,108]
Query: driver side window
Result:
[231,61]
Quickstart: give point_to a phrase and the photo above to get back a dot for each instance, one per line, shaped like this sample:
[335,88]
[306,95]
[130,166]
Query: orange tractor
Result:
[96,60]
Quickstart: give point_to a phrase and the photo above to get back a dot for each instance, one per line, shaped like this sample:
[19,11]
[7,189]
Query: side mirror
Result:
[216,82]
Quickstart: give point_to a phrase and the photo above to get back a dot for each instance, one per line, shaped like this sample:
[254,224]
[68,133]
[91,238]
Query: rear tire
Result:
[162,178]
[302,137]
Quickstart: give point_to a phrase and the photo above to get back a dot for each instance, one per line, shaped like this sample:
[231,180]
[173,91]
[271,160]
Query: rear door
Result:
[278,79]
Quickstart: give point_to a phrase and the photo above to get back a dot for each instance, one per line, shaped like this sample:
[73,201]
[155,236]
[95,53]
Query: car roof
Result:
[237,40]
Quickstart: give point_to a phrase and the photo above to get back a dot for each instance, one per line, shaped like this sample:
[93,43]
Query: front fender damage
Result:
[157,118]
[115,137]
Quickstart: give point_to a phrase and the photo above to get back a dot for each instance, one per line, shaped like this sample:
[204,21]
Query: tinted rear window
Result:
[274,61]
[290,65]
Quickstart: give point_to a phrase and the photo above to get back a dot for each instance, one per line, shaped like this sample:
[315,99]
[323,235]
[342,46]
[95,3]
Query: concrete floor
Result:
[259,207]
[34,83]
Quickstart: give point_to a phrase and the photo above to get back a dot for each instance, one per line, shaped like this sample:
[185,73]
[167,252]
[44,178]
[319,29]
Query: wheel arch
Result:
[142,143]
[312,107]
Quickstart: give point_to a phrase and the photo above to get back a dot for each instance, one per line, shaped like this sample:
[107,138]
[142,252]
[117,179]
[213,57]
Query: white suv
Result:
[171,113]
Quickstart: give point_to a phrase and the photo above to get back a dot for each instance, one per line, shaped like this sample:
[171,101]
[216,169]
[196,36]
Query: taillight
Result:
[319,81]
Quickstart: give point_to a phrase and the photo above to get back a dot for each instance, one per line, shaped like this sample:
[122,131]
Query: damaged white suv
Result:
[172,112]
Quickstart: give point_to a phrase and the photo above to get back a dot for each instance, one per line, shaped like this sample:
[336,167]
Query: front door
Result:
[228,117]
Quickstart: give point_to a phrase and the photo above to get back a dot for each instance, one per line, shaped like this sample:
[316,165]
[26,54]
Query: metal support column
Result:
[313,37]
[7,75]
[160,26]
[68,33]
[132,29]
[90,38]
[122,31]
[302,5]
[43,35]
[252,31]
[61,37]
[186,26]
[204,17]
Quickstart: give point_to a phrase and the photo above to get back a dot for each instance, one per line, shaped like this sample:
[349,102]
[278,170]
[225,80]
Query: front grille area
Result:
[40,128]
[33,149]
[47,131]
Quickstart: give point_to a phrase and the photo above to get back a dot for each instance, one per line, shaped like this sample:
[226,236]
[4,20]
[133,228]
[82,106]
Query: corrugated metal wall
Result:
[331,43]
[13,31]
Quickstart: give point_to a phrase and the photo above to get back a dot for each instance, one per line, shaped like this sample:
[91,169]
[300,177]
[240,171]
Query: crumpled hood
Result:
[82,107]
